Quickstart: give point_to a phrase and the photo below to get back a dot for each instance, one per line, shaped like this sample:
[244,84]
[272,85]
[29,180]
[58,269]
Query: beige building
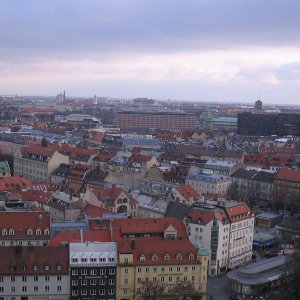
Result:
[37,163]
[156,259]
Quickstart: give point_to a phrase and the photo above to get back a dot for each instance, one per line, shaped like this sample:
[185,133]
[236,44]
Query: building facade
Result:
[93,270]
[159,120]
[40,273]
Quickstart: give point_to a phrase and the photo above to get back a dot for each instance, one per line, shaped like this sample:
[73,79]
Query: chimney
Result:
[81,236]
[40,219]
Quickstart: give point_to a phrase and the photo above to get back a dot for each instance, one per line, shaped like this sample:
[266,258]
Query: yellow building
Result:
[157,261]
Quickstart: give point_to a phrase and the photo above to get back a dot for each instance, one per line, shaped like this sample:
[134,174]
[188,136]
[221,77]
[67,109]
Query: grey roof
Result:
[177,210]
[4,167]
[141,142]
[244,174]
[264,177]
[261,272]
[268,215]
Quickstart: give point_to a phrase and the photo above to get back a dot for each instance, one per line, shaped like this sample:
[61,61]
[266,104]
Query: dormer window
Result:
[154,257]
[167,257]
[38,232]
[179,256]
[4,232]
[191,256]
[83,259]
[29,232]
[47,267]
[58,267]
[35,267]
[74,260]
[11,232]
[142,257]
[46,232]
[24,267]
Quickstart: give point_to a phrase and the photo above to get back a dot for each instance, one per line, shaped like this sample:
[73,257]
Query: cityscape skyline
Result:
[228,51]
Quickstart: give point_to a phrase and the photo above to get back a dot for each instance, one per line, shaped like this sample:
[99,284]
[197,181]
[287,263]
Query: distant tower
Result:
[64,97]
[258,105]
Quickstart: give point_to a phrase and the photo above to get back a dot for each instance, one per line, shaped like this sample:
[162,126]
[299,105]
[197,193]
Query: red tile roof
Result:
[38,196]
[188,192]
[288,175]
[21,221]
[15,259]
[103,157]
[67,237]
[239,212]
[204,216]
[93,211]
[15,183]
[122,227]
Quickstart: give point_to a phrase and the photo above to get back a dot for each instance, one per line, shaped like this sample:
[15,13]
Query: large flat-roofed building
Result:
[268,124]
[172,120]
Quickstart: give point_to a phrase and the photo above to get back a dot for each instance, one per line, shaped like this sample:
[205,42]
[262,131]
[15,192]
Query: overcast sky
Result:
[219,50]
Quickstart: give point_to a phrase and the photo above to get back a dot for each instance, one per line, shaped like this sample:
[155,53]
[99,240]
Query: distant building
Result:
[258,105]
[225,123]
[160,120]
[80,119]
[205,182]
[268,124]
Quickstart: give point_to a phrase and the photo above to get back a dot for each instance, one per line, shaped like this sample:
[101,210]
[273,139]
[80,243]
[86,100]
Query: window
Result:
[139,270]
[12,289]
[154,257]
[191,256]
[74,272]
[83,272]
[93,282]
[83,282]
[29,232]
[11,232]
[111,259]
[83,292]
[4,232]
[24,278]
[126,271]
[102,272]
[74,260]
[58,288]
[47,278]
[167,257]
[58,277]
[179,256]
[58,267]
[111,281]
[38,232]
[178,269]
[93,272]
[142,257]
[74,293]
[24,288]
[35,278]
[162,278]
[46,232]
[111,292]
[102,292]
[24,267]
[102,281]
[47,267]
[12,278]
[111,271]
[74,282]
[93,259]
[83,259]
[35,267]
[47,288]
[93,292]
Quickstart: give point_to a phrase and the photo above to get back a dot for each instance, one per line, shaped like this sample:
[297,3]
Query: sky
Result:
[206,50]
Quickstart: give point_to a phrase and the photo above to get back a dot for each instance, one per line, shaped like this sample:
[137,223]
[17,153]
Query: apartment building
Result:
[206,182]
[210,225]
[156,259]
[225,229]
[28,273]
[38,162]
[161,120]
[24,228]
[93,269]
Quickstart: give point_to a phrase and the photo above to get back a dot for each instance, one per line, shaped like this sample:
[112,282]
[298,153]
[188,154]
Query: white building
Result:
[225,229]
